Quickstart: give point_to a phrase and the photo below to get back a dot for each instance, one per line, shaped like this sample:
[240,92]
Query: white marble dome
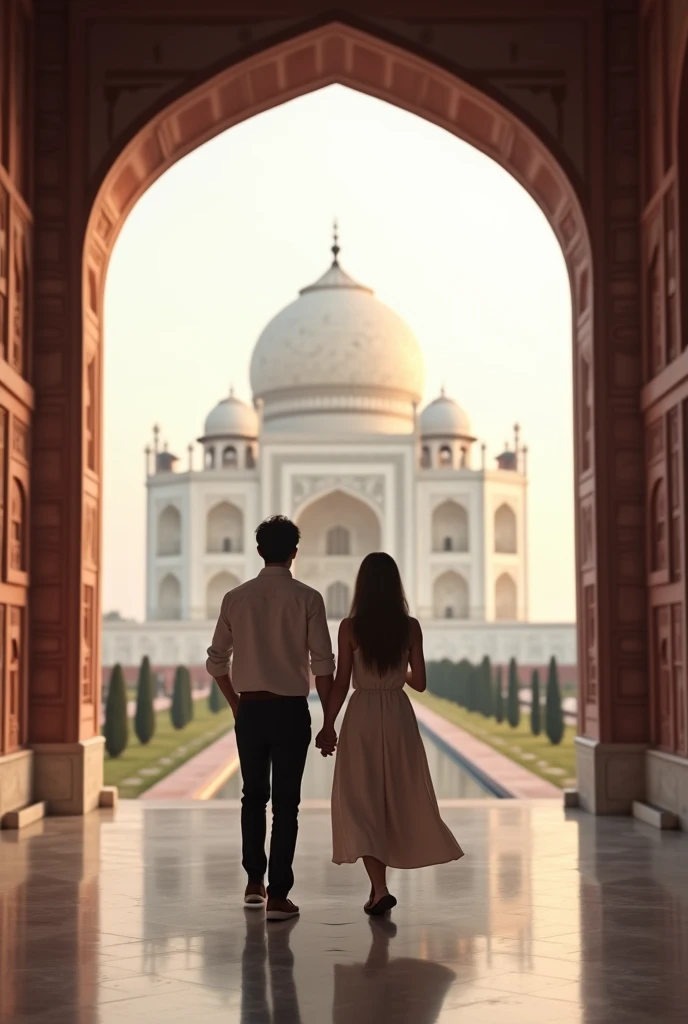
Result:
[231,418]
[444,418]
[338,359]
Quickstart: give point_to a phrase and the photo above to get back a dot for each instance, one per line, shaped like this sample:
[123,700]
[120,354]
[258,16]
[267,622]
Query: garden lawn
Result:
[140,767]
[555,764]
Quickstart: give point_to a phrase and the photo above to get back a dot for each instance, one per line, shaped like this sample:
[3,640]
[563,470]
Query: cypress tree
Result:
[188,696]
[473,688]
[434,678]
[535,714]
[479,695]
[498,696]
[216,700]
[462,682]
[554,714]
[468,685]
[444,674]
[429,676]
[454,683]
[513,707]
[178,707]
[486,705]
[116,722]
[144,719]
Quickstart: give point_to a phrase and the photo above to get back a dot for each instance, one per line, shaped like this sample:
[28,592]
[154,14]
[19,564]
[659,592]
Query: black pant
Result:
[272,733]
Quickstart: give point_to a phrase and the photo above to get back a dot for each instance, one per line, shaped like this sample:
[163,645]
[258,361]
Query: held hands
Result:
[326,741]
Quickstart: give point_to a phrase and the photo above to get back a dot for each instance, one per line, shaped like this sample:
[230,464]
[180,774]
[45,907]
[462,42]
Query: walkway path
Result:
[509,775]
[201,776]
[204,775]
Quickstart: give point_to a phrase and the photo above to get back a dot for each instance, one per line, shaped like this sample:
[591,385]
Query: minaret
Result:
[190,450]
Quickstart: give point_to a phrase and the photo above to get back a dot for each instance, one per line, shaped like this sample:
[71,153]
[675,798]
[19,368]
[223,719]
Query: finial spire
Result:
[231,390]
[335,243]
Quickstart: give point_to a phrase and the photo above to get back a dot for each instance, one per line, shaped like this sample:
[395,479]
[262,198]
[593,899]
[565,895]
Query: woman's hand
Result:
[326,741]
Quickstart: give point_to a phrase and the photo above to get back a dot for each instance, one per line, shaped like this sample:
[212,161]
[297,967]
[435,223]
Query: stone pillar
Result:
[65,548]
[612,614]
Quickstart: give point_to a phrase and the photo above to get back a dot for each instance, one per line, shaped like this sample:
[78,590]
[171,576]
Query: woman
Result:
[384,808]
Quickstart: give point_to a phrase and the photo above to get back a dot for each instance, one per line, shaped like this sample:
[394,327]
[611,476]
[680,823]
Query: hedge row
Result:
[480,689]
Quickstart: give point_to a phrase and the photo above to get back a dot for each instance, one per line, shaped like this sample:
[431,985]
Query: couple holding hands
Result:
[384,809]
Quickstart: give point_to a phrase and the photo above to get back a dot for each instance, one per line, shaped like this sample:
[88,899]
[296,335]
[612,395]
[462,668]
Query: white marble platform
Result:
[134,915]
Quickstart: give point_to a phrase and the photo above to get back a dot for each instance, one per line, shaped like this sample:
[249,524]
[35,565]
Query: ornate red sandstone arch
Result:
[337,53]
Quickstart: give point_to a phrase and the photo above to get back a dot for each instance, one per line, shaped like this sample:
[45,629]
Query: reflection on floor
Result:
[134,917]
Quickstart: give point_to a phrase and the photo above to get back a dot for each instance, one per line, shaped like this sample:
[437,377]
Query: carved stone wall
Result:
[16,392]
[665,364]
[615,698]
[56,548]
[536,65]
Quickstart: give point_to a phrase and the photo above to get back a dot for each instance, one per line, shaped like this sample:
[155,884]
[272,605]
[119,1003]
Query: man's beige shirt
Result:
[273,627]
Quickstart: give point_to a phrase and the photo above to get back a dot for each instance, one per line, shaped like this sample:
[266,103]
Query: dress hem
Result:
[399,867]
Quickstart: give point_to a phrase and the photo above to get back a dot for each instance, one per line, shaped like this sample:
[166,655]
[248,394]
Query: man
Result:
[272,624]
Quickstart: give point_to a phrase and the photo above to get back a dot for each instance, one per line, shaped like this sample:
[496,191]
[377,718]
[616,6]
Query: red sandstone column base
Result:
[16,781]
[69,776]
[610,775]
[667,783]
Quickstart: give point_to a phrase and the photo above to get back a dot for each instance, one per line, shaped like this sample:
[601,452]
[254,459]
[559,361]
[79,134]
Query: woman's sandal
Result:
[383,905]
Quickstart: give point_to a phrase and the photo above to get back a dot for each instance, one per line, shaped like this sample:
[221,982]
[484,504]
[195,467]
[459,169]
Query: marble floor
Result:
[133,915]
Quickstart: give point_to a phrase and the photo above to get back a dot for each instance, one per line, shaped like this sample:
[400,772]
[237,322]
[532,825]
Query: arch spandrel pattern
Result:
[337,53]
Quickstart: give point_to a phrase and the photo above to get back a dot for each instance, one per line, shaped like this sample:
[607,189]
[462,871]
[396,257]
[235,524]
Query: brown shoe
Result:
[281,910]
[255,896]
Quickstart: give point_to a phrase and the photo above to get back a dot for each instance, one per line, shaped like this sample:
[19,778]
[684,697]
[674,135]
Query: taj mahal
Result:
[337,439]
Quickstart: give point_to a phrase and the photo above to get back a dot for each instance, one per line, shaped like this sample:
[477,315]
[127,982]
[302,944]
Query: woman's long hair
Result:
[380,613]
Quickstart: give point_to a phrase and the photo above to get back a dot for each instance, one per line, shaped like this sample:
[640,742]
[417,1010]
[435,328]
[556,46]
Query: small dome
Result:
[232,418]
[444,418]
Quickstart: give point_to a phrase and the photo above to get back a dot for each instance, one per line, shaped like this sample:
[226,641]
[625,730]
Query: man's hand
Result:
[229,693]
[326,741]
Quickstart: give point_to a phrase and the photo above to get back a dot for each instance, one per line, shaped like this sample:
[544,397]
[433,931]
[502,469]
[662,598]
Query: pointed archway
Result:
[605,436]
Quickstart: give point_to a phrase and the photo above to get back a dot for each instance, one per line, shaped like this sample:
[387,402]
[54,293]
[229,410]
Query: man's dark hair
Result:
[278,538]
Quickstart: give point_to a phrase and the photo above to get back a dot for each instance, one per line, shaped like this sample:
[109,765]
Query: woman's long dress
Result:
[383,801]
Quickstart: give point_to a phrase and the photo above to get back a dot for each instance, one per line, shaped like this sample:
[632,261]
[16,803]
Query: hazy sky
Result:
[444,236]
